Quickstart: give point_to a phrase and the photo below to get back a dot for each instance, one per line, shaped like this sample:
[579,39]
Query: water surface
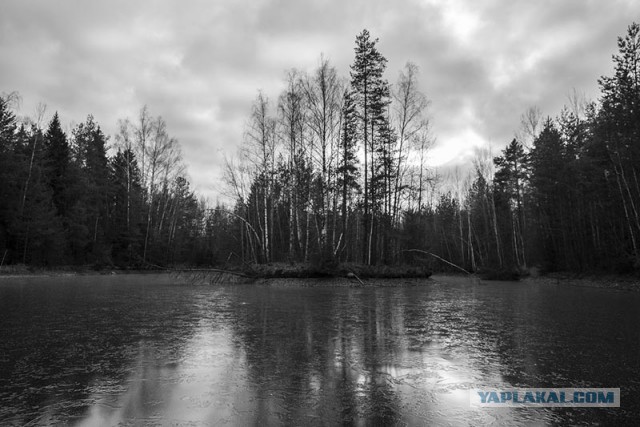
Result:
[150,350]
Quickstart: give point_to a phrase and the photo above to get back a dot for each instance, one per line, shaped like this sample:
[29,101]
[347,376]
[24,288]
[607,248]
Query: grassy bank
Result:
[303,271]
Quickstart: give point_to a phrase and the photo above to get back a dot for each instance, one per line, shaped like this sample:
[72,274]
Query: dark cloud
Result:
[200,64]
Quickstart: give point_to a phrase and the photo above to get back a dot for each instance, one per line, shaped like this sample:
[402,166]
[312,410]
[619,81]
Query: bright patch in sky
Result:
[459,19]
[458,148]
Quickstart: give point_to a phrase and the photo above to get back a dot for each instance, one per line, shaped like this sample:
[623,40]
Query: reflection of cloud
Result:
[206,386]
[140,400]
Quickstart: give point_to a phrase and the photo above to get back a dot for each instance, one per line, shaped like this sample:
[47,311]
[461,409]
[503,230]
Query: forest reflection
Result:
[293,356]
[148,351]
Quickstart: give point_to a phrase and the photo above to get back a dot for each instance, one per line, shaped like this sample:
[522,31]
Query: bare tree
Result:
[125,142]
[159,156]
[420,143]
[40,112]
[237,176]
[530,122]
[260,151]
[292,118]
[143,131]
[410,106]
[323,95]
[577,103]
[484,167]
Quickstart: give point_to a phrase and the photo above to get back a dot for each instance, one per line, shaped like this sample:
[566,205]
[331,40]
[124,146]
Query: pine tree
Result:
[371,93]
[37,230]
[11,167]
[509,186]
[94,191]
[347,170]
[58,165]
[549,190]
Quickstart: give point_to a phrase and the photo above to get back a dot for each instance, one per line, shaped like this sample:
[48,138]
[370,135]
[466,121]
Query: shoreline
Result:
[609,281]
[613,282]
[338,282]
[74,273]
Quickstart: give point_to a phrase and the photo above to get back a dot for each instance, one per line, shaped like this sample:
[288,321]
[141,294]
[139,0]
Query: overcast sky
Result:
[200,63]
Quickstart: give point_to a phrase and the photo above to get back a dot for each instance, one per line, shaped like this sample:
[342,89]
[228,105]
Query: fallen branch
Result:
[357,278]
[440,258]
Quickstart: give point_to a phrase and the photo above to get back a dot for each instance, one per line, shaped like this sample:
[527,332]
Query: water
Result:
[148,350]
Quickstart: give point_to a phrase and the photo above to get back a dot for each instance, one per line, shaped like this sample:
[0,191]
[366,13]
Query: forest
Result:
[334,170]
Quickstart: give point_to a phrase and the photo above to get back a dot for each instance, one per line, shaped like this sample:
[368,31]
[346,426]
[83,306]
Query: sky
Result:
[200,63]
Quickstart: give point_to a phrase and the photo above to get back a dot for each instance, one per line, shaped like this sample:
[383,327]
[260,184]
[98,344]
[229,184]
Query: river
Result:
[154,350]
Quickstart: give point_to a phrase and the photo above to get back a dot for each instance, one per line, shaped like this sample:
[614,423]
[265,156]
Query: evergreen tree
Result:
[37,230]
[347,170]
[383,180]
[11,167]
[371,92]
[550,191]
[509,186]
[58,165]
[94,189]
[185,223]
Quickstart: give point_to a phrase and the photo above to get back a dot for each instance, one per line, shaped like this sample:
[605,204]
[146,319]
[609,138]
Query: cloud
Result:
[200,64]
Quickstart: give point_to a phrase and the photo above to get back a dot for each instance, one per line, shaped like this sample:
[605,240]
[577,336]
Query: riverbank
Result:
[280,274]
[617,282]
[339,282]
[344,270]
[257,272]
[306,274]
[12,271]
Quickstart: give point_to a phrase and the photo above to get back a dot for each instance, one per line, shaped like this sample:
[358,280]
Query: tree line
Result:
[563,195]
[334,170]
[66,202]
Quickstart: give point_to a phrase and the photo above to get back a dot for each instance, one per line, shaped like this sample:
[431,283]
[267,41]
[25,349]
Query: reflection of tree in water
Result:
[333,352]
[316,354]
[268,355]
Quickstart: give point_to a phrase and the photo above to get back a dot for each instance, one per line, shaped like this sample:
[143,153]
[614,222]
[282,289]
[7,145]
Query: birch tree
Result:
[260,151]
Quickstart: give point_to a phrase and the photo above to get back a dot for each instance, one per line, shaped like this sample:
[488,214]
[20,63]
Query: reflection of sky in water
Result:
[258,355]
[205,387]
